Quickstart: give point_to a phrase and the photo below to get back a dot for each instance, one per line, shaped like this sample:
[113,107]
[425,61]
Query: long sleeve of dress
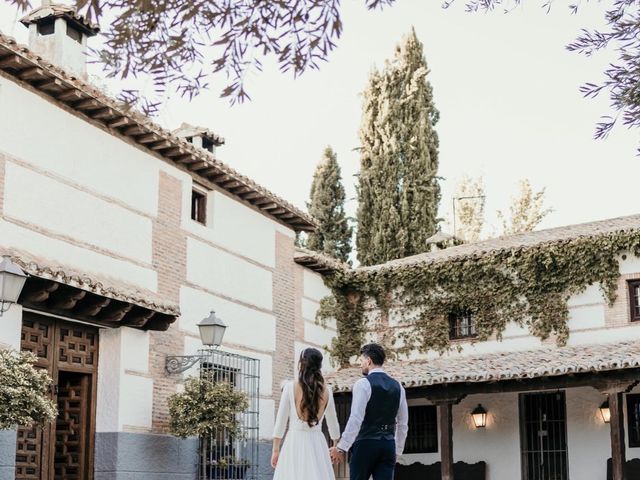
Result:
[284,410]
[332,418]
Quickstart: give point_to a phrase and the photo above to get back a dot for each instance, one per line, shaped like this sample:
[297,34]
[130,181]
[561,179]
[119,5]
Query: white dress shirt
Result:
[361,395]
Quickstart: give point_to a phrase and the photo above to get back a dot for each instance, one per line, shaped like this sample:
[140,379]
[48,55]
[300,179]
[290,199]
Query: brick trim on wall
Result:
[618,314]
[170,263]
[284,308]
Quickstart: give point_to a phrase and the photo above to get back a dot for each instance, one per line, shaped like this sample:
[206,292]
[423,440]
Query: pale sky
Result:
[506,88]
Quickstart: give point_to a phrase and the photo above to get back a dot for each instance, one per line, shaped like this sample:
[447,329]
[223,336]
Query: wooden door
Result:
[64,449]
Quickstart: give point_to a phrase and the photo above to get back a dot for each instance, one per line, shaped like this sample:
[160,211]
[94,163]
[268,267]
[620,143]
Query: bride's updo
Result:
[312,384]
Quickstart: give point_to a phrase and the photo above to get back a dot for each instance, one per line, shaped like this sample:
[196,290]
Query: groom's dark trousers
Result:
[372,458]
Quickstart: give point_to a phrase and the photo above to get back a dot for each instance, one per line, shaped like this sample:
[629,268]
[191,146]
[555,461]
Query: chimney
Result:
[200,137]
[58,34]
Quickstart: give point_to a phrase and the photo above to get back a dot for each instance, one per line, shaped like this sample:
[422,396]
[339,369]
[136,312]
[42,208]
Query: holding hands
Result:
[337,455]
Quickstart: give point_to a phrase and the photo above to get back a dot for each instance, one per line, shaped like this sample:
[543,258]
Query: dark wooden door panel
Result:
[72,426]
[69,352]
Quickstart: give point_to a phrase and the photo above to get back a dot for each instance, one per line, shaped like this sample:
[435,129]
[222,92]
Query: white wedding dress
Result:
[304,453]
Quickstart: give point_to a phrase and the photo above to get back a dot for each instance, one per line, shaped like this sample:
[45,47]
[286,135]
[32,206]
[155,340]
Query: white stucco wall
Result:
[11,322]
[246,326]
[229,275]
[85,260]
[59,208]
[125,394]
[54,140]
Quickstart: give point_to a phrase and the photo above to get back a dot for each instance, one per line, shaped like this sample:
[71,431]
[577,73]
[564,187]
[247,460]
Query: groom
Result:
[378,424]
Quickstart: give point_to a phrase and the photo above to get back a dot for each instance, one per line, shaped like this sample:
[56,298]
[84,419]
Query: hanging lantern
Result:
[605,412]
[479,416]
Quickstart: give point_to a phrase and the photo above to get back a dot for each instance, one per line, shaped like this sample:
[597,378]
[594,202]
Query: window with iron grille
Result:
[634,300]
[633,419]
[199,207]
[423,430]
[461,325]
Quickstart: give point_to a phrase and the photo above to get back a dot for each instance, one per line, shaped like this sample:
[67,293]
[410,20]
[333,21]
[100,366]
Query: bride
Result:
[305,403]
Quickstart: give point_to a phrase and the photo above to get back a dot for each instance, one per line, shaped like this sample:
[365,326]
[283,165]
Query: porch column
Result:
[618,450]
[446,439]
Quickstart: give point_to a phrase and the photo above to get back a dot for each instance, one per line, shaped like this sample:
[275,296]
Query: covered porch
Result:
[543,418]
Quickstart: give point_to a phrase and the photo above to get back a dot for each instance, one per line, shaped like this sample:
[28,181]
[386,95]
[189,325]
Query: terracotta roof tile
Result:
[317,261]
[515,242]
[542,362]
[99,284]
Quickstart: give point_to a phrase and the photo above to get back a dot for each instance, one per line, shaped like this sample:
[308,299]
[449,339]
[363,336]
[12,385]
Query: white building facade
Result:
[130,235]
[542,401]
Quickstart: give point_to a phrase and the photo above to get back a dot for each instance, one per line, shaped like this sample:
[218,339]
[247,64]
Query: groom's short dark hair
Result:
[375,352]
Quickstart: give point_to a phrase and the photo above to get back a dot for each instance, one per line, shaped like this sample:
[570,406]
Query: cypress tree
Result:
[326,205]
[398,189]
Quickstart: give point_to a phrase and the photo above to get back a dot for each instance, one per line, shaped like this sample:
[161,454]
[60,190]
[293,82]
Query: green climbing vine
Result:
[529,285]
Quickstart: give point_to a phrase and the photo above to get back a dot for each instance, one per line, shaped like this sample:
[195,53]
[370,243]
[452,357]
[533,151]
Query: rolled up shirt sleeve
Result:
[361,396]
[402,422]
[332,418]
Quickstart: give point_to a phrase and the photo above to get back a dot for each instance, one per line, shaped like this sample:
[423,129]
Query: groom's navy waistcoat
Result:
[380,416]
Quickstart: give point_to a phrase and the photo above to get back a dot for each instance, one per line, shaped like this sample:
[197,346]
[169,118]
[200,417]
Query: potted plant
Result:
[24,391]
[203,409]
[228,468]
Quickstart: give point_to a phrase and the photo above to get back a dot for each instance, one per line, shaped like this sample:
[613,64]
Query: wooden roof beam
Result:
[70,95]
[135,131]
[162,145]
[269,206]
[231,184]
[103,113]
[89,104]
[252,195]
[262,201]
[199,165]
[174,152]
[13,61]
[119,122]
[186,158]
[32,73]
[149,138]
[50,84]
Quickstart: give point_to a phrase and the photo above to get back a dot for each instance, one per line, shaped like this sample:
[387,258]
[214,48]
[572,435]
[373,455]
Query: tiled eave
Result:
[20,63]
[503,366]
[104,301]
[318,262]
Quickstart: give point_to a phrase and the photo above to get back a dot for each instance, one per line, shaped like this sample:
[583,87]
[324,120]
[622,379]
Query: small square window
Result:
[74,34]
[634,300]
[199,207]
[422,436]
[461,325]
[633,419]
[46,27]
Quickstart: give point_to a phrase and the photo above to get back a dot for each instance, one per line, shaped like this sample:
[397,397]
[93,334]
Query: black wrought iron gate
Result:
[227,457]
[543,436]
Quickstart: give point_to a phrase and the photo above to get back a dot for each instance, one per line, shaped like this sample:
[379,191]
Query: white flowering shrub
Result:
[205,407]
[24,389]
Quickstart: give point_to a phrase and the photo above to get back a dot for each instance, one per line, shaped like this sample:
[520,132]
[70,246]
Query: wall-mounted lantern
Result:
[605,412]
[12,280]
[212,330]
[479,416]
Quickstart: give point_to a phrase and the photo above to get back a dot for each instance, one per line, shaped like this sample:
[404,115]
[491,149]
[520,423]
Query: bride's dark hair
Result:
[312,384]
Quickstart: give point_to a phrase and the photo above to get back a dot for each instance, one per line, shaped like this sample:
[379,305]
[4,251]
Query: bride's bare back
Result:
[297,398]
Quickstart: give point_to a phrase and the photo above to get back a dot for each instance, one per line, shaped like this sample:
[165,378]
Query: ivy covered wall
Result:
[529,285]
